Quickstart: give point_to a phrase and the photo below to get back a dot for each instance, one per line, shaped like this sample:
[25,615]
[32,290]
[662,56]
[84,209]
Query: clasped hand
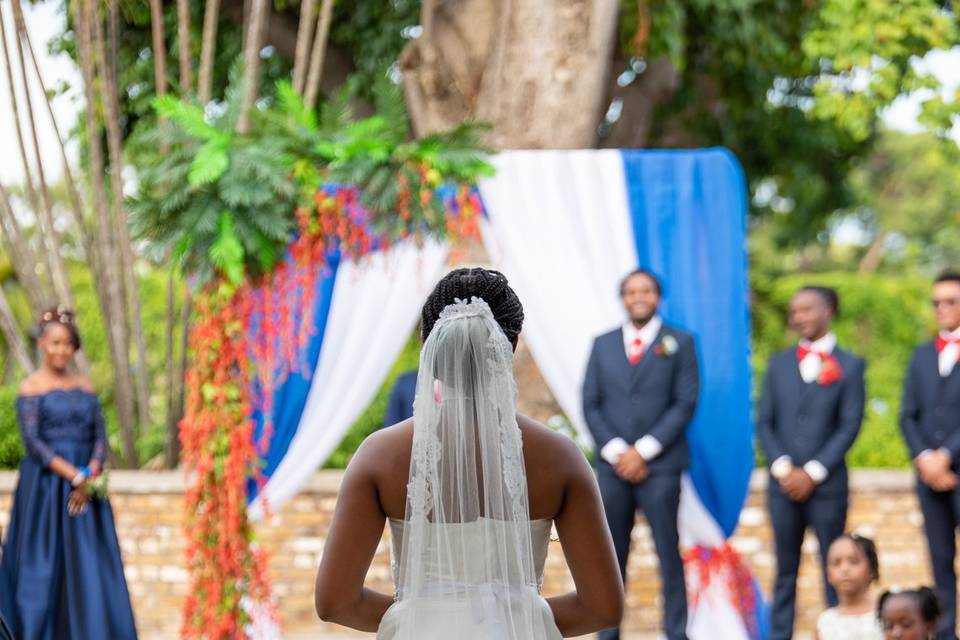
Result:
[797,485]
[77,503]
[934,470]
[632,467]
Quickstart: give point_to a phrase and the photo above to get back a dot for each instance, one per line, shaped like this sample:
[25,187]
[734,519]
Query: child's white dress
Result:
[833,625]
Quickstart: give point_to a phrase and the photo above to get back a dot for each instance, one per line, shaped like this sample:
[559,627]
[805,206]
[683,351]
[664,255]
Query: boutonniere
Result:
[666,347]
[830,371]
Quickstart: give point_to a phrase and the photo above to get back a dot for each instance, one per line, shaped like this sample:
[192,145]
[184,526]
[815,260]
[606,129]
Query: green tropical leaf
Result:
[226,252]
[187,116]
[210,164]
[292,104]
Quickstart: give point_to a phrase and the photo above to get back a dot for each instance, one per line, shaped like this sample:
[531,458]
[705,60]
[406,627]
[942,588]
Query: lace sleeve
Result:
[28,417]
[99,434]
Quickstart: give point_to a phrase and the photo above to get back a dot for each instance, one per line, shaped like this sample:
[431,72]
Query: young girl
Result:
[909,615]
[852,566]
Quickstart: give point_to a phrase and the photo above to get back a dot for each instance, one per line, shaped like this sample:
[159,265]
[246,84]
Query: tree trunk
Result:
[40,297]
[304,38]
[251,63]
[58,273]
[13,336]
[76,203]
[113,316]
[172,451]
[131,308]
[159,47]
[874,256]
[318,53]
[183,38]
[211,18]
[21,256]
[536,71]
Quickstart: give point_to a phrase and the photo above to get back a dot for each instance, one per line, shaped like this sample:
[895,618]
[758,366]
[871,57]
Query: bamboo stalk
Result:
[61,282]
[211,18]
[319,52]
[304,38]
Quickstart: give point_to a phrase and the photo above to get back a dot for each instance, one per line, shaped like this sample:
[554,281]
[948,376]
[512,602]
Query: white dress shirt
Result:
[947,359]
[810,369]
[648,447]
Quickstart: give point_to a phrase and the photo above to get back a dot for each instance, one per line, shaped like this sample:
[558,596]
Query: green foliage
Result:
[373,33]
[11,445]
[224,201]
[908,189]
[882,318]
[795,89]
[372,418]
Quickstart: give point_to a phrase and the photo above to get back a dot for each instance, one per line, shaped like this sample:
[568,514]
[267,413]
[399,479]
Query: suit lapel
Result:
[796,380]
[618,354]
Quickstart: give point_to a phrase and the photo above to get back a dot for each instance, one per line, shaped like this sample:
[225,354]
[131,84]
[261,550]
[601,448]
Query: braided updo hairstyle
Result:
[464,284]
[63,317]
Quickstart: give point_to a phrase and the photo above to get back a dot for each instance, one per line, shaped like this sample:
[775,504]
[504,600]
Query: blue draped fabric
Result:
[688,210]
[290,397]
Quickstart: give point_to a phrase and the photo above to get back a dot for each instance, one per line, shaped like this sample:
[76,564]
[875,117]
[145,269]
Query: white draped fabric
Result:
[375,306]
[559,229]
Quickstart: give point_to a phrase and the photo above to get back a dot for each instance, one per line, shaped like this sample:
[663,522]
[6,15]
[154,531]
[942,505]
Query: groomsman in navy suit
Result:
[639,395]
[400,402]
[811,408]
[930,420]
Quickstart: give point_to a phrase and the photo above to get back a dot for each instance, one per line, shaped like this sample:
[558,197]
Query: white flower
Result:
[670,345]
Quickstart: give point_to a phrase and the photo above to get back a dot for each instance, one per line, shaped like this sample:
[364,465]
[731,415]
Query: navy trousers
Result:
[941,516]
[827,515]
[658,497]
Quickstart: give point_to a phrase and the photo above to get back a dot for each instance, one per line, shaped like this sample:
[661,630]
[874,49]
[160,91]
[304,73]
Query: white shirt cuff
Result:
[927,452]
[648,447]
[781,467]
[612,451]
[817,472]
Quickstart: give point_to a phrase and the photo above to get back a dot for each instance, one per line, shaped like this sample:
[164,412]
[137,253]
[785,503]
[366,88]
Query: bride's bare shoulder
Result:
[541,444]
[386,448]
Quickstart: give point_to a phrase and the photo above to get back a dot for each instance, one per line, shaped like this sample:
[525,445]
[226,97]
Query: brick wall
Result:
[148,505]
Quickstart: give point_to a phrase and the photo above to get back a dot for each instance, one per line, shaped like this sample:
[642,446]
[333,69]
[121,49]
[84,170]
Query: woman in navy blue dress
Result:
[61,576]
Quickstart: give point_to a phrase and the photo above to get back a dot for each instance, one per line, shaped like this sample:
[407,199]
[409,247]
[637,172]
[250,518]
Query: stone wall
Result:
[148,510]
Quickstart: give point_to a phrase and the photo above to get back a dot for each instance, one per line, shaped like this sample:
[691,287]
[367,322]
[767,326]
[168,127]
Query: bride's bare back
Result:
[561,486]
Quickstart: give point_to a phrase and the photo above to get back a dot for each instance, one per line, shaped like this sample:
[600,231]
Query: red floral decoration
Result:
[250,338]
[830,371]
[704,565]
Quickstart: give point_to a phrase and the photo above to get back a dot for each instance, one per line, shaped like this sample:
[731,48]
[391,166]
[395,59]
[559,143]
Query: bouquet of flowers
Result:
[97,483]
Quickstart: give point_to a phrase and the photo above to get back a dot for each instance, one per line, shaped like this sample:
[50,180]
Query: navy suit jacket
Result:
[811,421]
[930,411]
[656,397]
[400,404]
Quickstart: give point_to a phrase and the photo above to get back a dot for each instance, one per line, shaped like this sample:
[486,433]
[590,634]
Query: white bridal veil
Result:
[466,560]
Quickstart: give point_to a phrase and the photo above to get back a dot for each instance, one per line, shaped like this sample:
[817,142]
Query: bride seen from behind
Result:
[470,490]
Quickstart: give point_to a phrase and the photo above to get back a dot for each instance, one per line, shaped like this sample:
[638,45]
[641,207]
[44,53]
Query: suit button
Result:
[801,418]
[938,435]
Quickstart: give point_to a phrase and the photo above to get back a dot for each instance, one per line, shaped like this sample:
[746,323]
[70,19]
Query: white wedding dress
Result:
[471,609]
[467,559]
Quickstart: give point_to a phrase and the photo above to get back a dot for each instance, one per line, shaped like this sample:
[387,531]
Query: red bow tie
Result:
[943,342]
[803,352]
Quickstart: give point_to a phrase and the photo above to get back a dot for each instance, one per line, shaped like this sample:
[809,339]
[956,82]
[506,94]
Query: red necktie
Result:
[943,342]
[636,351]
